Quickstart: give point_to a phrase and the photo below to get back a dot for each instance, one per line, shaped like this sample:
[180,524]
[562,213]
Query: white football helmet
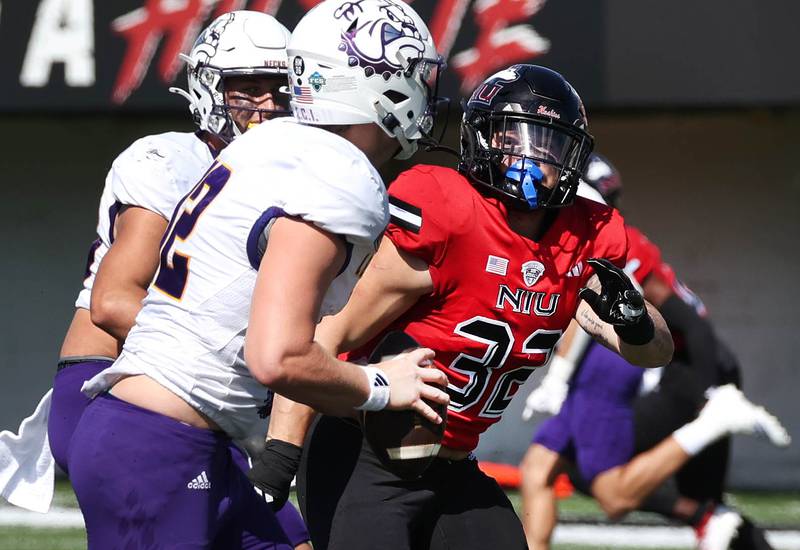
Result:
[239,43]
[362,61]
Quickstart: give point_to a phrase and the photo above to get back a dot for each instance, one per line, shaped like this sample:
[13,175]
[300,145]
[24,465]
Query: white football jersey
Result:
[189,336]
[155,172]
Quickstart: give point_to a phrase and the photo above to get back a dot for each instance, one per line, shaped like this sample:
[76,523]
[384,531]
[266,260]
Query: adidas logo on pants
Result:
[200,482]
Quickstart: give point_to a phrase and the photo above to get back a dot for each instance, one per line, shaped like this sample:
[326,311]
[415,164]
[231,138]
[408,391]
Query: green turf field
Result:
[772,510]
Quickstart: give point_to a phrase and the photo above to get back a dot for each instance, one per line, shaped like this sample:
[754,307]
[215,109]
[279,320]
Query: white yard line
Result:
[56,517]
[616,536]
[620,536]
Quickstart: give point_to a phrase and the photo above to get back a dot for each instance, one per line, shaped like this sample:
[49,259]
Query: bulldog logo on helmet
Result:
[205,47]
[380,37]
[531,271]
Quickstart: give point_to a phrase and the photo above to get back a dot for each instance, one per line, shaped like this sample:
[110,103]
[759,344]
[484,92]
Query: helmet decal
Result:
[367,61]
[299,66]
[506,75]
[399,37]
[542,110]
[205,47]
[492,85]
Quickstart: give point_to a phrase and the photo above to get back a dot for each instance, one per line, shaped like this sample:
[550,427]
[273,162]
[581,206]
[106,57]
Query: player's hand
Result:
[547,398]
[412,380]
[619,303]
[273,470]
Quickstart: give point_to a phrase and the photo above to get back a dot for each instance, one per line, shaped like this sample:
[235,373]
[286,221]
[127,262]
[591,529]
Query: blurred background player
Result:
[237,78]
[180,389]
[476,264]
[594,428]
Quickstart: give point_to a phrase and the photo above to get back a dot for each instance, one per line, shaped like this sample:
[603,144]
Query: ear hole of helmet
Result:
[390,122]
[395,97]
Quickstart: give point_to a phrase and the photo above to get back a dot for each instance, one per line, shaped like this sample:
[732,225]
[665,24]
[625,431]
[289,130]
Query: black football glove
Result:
[273,470]
[619,303]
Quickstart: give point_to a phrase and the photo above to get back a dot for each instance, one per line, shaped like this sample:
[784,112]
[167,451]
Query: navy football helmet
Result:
[522,126]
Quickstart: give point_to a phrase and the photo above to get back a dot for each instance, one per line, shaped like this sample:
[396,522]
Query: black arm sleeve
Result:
[700,353]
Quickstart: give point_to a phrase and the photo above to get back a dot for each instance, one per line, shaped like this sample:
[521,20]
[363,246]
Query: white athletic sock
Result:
[696,435]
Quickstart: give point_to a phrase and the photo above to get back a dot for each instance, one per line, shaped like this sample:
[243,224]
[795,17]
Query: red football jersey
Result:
[500,301]
[644,259]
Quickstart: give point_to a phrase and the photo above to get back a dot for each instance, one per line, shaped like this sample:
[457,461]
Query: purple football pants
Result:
[144,480]
[292,524]
[290,519]
[594,427]
[67,403]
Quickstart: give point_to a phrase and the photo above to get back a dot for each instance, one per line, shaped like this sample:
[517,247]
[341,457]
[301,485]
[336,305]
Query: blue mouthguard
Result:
[528,174]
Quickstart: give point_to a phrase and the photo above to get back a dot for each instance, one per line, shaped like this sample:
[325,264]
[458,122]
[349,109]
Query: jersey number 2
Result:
[173,269]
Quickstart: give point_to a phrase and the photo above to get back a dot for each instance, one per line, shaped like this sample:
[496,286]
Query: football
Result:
[404,441]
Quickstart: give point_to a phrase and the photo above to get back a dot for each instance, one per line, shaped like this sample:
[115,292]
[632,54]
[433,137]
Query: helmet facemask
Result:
[395,109]
[207,84]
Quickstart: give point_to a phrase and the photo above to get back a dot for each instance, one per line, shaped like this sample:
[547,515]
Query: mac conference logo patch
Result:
[532,271]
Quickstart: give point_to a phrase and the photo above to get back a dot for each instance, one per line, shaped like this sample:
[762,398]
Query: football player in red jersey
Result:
[486,265]
[601,425]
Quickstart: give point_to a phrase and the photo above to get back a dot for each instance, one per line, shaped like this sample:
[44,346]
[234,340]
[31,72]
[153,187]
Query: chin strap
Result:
[390,123]
[432,146]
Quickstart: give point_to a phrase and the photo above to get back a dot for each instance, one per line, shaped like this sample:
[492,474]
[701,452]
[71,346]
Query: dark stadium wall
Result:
[719,192]
[95,55]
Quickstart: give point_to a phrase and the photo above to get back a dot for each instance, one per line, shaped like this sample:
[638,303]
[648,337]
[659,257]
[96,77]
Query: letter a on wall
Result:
[62,33]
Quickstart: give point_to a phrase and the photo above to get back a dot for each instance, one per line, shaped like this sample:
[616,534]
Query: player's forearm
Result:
[289,420]
[115,310]
[311,375]
[657,352]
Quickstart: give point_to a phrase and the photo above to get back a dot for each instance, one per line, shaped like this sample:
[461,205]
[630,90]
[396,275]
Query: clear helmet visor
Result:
[518,138]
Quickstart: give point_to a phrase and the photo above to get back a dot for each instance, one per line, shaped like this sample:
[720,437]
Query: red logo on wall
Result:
[177,25]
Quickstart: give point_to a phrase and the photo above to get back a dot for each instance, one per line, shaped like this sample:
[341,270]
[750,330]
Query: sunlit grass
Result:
[767,509]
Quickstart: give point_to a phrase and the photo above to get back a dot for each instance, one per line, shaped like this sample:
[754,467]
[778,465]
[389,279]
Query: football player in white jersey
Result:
[236,78]
[272,238]
[145,183]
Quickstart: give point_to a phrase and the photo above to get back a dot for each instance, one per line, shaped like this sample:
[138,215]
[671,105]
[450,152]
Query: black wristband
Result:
[639,334]
[276,465]
[289,454]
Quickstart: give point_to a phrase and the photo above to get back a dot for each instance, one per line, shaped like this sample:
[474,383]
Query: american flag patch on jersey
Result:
[405,215]
[302,94]
[497,265]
